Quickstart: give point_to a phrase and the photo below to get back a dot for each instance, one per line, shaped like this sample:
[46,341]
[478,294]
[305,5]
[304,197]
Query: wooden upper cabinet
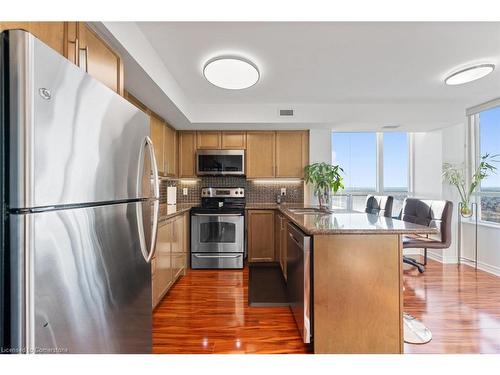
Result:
[260,155]
[291,153]
[98,59]
[187,154]
[261,227]
[208,140]
[170,151]
[233,140]
[51,33]
[158,138]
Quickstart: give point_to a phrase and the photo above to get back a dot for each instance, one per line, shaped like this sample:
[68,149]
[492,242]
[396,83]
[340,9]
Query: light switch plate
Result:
[184,191]
[283,191]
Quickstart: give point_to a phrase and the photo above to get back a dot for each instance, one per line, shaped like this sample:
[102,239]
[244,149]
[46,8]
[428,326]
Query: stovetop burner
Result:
[222,199]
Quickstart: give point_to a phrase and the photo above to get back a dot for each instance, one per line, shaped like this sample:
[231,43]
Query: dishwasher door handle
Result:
[295,240]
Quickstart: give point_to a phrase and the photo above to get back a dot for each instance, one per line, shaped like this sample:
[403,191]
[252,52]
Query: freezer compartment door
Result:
[73,140]
[87,282]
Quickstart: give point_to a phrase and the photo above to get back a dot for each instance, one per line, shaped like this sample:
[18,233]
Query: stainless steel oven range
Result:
[218,229]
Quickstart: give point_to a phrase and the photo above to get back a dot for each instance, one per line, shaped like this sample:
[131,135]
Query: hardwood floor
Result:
[460,306]
[207,312]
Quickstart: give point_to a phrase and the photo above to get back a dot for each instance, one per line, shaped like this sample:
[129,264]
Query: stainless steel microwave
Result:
[220,162]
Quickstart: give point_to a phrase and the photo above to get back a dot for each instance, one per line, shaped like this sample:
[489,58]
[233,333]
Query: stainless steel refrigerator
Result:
[79,208]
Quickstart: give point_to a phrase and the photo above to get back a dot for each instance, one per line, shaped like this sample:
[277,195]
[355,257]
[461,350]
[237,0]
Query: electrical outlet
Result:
[283,191]
[184,191]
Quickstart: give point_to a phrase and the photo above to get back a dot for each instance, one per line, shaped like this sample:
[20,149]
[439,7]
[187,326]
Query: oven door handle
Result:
[217,256]
[216,215]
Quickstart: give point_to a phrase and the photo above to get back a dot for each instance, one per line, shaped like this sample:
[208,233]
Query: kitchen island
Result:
[357,279]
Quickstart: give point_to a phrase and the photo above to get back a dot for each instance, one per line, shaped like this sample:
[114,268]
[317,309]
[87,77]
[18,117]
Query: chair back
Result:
[432,213]
[379,205]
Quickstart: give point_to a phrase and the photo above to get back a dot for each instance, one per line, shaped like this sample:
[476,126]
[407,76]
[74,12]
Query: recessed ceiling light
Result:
[232,73]
[469,74]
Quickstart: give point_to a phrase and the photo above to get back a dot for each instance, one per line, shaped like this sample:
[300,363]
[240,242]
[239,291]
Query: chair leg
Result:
[414,263]
[425,256]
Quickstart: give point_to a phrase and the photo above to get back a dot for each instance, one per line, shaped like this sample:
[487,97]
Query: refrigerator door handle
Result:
[148,255]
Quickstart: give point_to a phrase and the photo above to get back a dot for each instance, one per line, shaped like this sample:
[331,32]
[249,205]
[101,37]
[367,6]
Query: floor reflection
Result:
[459,305]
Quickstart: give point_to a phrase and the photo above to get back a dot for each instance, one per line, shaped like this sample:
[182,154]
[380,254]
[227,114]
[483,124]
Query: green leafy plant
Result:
[324,177]
[455,175]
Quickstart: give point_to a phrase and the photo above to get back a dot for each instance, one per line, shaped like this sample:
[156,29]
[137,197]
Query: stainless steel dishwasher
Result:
[299,280]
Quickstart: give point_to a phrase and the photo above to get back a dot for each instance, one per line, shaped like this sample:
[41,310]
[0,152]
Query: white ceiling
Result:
[340,75]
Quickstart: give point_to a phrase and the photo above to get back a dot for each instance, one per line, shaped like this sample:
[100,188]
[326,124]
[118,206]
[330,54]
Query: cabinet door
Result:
[98,59]
[260,154]
[261,236]
[291,153]
[234,140]
[178,254]
[51,33]
[187,154]
[170,151]
[208,140]
[163,273]
[158,138]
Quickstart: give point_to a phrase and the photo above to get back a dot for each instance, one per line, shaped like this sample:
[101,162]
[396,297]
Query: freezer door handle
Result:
[148,255]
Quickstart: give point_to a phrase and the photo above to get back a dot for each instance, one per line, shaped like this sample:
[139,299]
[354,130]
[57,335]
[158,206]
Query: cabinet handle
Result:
[83,55]
[75,45]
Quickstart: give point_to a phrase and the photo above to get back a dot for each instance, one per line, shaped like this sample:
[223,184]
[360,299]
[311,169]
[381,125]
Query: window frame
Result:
[379,174]
[473,154]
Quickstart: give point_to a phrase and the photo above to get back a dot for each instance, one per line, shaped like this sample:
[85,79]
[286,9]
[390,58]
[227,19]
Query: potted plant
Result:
[324,177]
[455,175]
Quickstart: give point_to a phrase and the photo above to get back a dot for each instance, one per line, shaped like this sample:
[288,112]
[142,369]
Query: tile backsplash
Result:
[255,191]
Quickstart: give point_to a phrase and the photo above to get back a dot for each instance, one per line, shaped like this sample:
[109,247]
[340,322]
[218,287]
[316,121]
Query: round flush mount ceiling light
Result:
[232,73]
[469,74]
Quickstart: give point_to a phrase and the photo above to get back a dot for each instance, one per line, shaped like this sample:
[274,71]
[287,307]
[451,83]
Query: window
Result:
[373,163]
[489,142]
[357,154]
[396,168]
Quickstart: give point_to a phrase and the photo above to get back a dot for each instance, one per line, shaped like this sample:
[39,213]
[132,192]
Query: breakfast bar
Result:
[357,279]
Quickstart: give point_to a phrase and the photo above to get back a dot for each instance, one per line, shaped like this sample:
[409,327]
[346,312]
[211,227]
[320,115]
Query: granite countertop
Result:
[168,211]
[342,221]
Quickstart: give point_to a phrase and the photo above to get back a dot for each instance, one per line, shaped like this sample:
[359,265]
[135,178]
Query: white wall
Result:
[320,150]
[453,151]
[427,161]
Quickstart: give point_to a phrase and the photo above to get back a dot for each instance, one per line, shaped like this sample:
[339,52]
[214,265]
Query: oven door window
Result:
[217,232]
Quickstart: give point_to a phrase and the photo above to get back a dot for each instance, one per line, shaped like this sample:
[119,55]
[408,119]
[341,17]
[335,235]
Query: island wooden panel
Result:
[358,294]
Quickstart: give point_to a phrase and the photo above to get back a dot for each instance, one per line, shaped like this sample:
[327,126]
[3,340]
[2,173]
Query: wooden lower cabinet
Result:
[260,235]
[170,260]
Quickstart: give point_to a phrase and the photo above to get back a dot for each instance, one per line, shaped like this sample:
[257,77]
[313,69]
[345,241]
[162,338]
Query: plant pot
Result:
[324,197]
[465,210]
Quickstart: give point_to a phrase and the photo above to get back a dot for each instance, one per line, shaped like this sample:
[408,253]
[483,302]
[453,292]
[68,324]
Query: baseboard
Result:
[442,259]
[483,267]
